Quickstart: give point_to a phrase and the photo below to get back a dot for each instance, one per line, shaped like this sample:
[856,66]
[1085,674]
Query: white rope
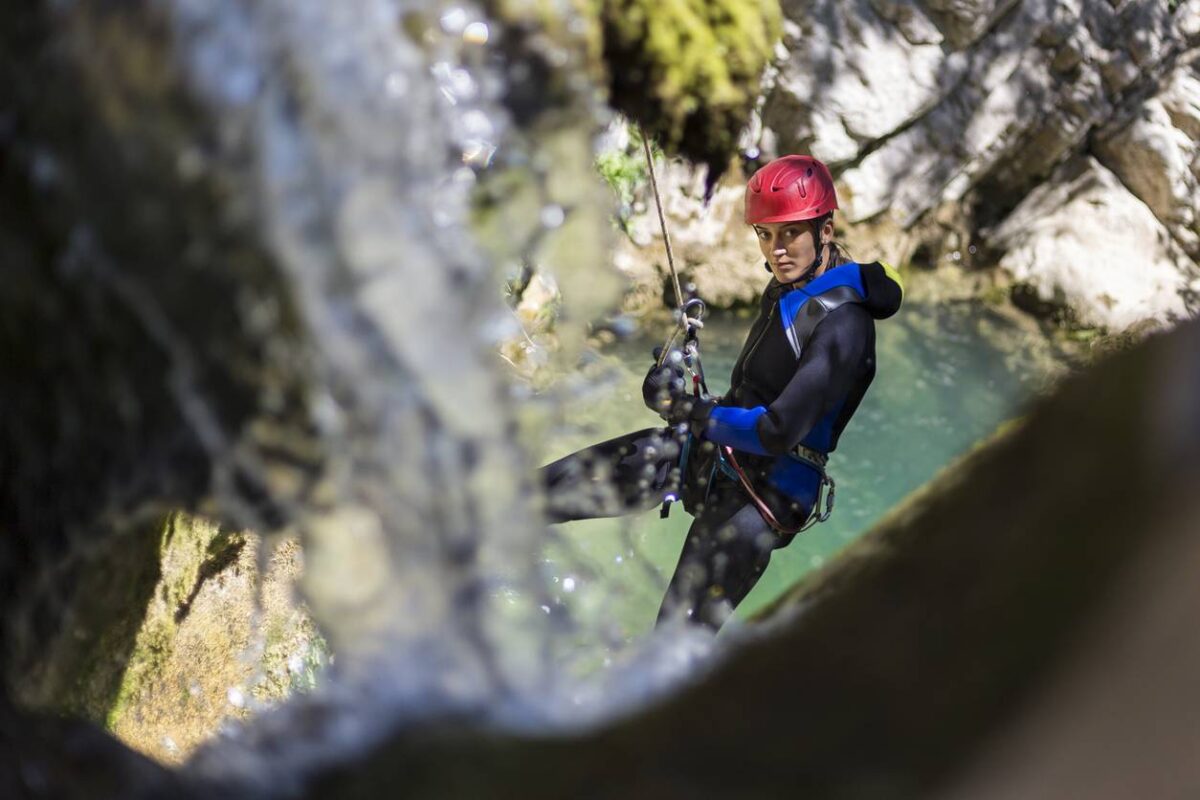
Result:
[684,322]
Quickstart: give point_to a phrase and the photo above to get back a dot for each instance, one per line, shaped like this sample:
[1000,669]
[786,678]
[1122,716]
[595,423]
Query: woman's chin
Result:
[788,273]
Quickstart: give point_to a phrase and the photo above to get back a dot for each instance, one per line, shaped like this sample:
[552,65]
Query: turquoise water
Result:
[948,375]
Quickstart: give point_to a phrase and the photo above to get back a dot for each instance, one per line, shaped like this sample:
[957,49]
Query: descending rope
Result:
[687,325]
[662,219]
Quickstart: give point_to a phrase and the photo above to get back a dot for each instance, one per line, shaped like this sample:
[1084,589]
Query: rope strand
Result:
[684,323]
[662,219]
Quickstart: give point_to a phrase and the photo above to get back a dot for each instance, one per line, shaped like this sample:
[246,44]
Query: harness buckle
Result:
[814,457]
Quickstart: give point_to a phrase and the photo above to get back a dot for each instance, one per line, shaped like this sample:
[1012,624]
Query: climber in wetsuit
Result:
[755,458]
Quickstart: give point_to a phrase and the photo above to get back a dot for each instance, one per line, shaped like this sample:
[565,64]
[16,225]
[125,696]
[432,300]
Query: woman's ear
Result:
[827,231]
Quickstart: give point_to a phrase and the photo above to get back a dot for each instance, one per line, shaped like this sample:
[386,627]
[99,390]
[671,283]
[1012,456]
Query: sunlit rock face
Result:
[940,119]
[1156,154]
[1007,92]
[995,108]
[1070,242]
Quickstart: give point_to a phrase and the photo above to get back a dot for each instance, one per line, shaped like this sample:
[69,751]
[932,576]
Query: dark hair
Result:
[837,253]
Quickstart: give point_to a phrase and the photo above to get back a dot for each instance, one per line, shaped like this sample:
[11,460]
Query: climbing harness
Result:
[689,316]
[727,462]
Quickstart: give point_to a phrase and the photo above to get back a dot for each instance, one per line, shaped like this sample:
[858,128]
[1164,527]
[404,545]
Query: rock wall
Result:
[942,119]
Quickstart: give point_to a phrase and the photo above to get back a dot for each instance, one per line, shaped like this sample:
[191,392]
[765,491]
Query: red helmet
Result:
[789,189]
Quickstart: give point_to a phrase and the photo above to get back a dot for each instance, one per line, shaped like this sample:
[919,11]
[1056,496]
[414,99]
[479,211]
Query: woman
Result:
[755,458]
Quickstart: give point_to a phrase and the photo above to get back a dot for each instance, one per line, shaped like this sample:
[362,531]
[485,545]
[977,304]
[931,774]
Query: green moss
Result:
[187,546]
[689,70]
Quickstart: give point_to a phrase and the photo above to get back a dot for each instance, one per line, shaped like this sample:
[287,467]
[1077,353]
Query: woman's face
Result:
[789,248]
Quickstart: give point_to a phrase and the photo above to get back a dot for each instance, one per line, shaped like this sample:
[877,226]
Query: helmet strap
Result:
[817,225]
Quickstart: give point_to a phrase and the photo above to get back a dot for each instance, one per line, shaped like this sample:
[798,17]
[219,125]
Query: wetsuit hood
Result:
[884,289]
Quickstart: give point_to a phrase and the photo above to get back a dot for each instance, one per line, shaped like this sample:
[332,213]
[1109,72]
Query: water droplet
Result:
[453,20]
[568,584]
[478,154]
[235,697]
[553,216]
[464,176]
[476,125]
[752,152]
[461,84]
[396,84]
[476,33]
[972,249]
[619,559]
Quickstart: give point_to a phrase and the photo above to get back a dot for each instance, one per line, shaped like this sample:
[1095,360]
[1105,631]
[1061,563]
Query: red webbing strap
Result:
[763,510]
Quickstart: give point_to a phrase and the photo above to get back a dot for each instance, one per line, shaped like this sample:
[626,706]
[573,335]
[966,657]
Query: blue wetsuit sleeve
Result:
[736,427]
[823,378]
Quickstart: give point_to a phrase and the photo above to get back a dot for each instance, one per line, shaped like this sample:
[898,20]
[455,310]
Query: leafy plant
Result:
[624,169]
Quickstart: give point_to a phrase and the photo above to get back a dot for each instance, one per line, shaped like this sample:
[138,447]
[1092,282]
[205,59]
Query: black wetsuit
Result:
[794,383]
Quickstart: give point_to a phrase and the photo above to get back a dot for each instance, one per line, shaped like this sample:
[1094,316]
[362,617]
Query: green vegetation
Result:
[689,70]
[624,170]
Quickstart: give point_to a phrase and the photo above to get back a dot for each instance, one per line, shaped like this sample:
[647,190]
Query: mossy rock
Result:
[689,70]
